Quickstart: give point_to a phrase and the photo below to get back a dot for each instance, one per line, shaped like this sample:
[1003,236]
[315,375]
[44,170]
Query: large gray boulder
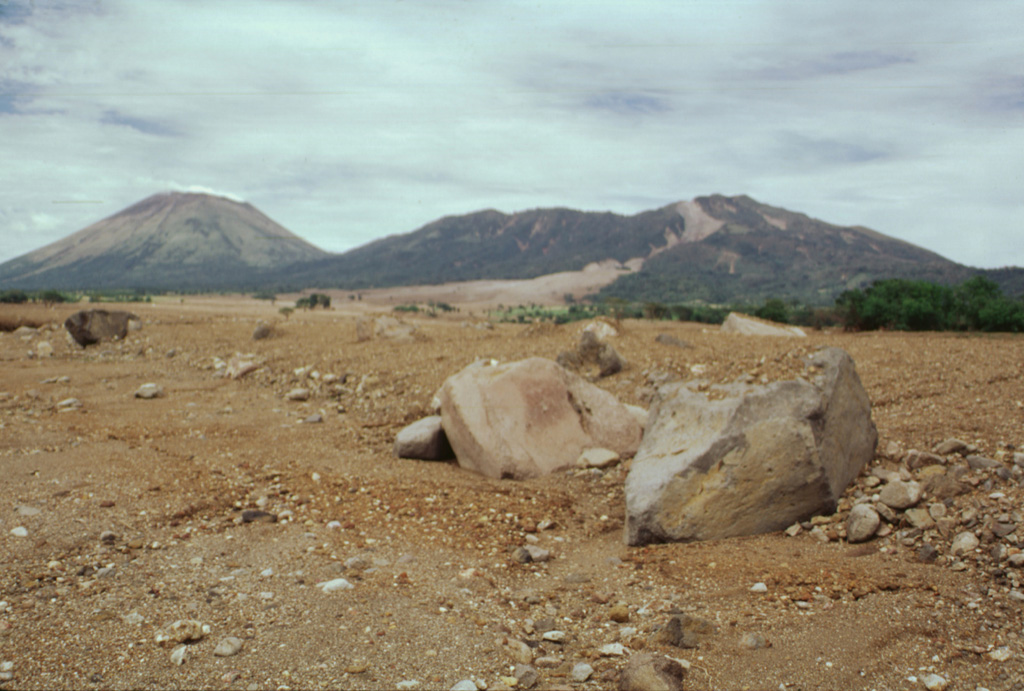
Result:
[92,326]
[530,418]
[749,459]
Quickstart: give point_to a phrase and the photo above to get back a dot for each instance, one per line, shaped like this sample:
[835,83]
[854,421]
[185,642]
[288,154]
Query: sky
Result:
[350,120]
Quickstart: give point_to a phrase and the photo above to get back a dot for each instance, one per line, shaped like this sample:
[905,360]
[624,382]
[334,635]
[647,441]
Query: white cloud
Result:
[349,121]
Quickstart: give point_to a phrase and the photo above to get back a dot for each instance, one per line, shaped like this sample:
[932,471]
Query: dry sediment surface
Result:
[124,515]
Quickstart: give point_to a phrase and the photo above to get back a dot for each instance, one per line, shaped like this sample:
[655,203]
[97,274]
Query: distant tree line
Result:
[314,300]
[977,304]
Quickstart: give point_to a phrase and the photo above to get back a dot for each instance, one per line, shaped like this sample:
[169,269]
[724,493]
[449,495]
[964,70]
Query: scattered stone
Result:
[862,523]
[976,462]
[407,684]
[298,394]
[737,323]
[424,440]
[900,495]
[393,329]
[179,655]
[792,448]
[581,671]
[597,458]
[228,646]
[612,650]
[538,553]
[670,340]
[519,651]
[933,682]
[927,553]
[182,631]
[526,675]
[753,641]
[964,543]
[645,672]
[92,326]
[920,518]
[555,636]
[684,631]
[335,585]
[920,459]
[530,418]
[68,404]
[759,588]
[314,419]
[19,531]
[619,613]
[239,366]
[44,349]
[1000,654]
[28,511]
[464,685]
[149,390]
[951,446]
[257,516]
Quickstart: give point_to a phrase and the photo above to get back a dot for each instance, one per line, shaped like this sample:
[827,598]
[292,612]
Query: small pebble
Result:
[759,588]
[20,531]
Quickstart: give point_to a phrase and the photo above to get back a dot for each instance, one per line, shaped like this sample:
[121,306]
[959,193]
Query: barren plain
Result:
[124,515]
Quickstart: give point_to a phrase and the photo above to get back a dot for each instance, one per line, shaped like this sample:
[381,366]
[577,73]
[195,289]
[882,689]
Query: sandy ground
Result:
[132,516]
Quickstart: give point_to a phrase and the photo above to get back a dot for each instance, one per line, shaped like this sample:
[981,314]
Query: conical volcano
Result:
[173,240]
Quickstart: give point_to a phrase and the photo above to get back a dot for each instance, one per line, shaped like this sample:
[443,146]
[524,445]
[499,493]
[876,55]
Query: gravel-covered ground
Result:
[123,515]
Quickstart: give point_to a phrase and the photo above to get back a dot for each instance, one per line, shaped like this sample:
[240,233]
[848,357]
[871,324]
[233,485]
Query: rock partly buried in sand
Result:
[530,418]
[92,326]
[424,440]
[750,459]
[393,329]
[645,672]
[737,323]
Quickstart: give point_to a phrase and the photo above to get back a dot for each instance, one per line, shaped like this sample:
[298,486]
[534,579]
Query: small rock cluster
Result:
[948,504]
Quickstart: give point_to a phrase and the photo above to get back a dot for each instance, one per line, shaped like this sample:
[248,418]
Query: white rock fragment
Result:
[407,684]
[759,588]
[182,631]
[555,636]
[20,531]
[933,682]
[228,646]
[464,685]
[581,671]
[335,585]
[179,655]
[964,543]
[862,523]
[612,650]
[68,404]
[298,394]
[597,458]
[149,390]
[1001,654]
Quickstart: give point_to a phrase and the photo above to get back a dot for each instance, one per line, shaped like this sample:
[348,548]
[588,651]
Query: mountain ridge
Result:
[713,248]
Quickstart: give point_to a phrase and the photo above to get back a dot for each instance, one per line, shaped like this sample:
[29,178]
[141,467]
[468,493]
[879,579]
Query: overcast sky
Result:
[350,120]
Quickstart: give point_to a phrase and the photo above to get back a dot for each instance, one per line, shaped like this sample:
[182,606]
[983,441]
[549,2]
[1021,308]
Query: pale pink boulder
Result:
[529,418]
